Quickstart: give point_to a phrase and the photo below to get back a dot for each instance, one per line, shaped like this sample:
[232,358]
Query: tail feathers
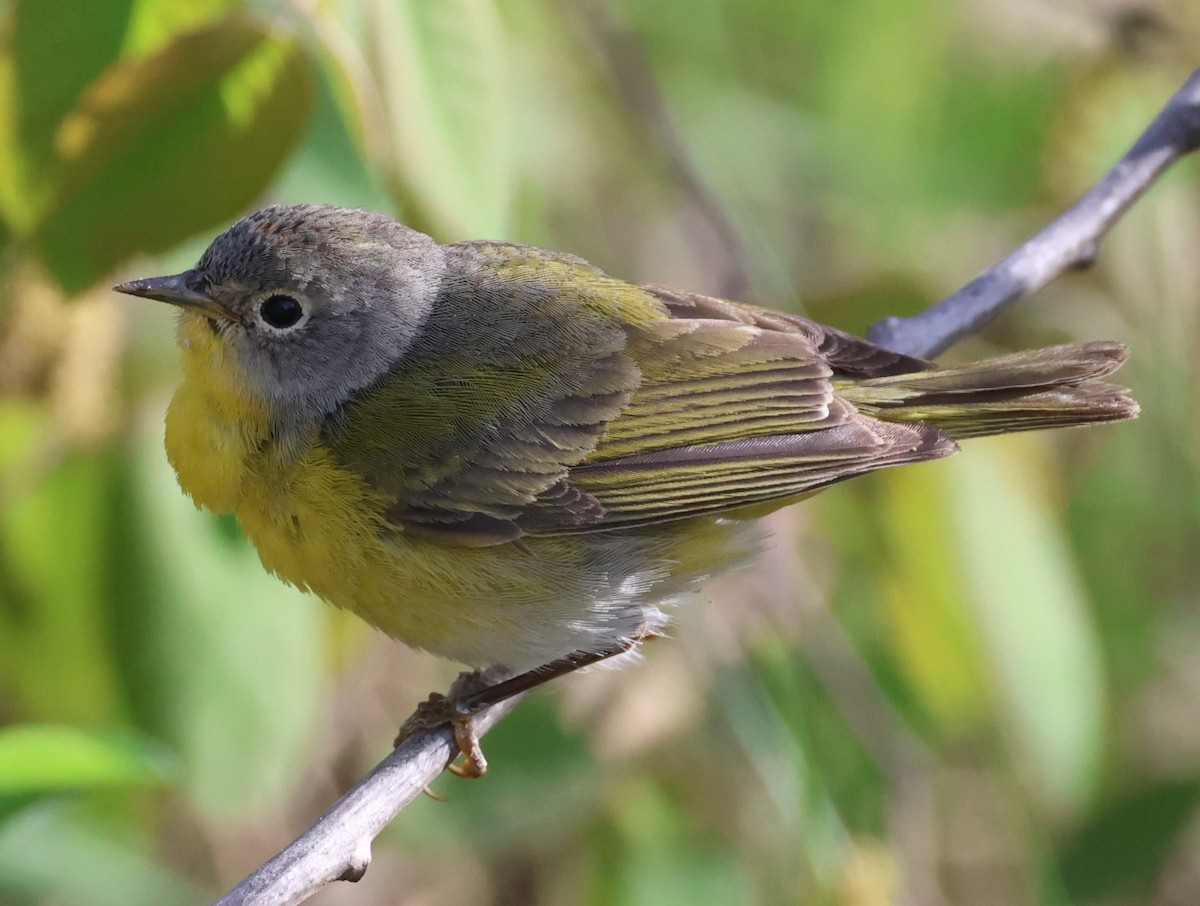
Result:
[1055,387]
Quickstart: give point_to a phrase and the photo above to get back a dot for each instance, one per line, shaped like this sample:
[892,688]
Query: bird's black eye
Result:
[281,312]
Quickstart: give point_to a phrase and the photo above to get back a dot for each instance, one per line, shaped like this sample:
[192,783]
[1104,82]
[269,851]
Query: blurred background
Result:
[975,682]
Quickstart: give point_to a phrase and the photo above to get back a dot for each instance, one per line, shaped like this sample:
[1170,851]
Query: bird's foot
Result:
[439,710]
[480,690]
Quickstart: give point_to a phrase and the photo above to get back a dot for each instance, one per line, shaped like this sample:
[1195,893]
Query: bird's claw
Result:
[474,765]
[439,710]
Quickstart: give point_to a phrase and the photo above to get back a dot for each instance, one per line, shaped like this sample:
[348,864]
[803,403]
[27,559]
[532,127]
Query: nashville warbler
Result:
[505,456]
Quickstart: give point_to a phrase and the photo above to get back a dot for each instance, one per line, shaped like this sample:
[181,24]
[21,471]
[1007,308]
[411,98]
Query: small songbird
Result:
[502,455]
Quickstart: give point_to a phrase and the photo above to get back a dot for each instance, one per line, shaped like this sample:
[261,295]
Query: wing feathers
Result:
[706,381]
[598,405]
[692,480]
[846,354]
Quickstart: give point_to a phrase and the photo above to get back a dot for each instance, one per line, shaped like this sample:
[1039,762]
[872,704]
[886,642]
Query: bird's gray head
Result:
[310,302]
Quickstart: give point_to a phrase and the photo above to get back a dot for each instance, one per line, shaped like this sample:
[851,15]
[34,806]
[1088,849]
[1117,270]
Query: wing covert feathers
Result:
[735,411]
[843,352]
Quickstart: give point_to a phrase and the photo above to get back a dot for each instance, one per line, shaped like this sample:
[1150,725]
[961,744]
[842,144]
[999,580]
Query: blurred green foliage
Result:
[968,682]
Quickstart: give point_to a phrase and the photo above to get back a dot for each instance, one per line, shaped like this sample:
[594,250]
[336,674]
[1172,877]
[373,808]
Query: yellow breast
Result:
[310,520]
[318,526]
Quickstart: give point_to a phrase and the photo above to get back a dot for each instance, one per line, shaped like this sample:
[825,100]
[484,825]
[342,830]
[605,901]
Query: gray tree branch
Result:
[1068,243]
[338,846]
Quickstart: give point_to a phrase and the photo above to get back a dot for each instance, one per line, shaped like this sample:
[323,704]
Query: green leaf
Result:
[40,761]
[51,51]
[843,769]
[441,73]
[931,624]
[54,853]
[760,706]
[1033,615]
[154,22]
[54,642]
[992,130]
[49,759]
[1120,852]
[165,146]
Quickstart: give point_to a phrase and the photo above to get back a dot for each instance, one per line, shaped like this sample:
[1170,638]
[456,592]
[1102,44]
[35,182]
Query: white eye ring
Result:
[281,312]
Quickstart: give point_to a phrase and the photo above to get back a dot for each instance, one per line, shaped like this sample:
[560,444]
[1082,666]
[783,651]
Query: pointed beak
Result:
[187,290]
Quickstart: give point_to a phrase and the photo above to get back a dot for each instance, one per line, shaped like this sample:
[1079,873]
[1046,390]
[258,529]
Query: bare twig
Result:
[338,846]
[1070,242]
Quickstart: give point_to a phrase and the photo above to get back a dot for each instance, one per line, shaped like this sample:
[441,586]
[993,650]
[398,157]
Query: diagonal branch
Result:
[338,846]
[1070,242]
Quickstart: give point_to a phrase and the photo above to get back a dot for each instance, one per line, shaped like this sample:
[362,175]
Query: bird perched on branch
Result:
[502,455]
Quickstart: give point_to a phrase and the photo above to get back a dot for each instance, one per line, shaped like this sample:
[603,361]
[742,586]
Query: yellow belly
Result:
[320,527]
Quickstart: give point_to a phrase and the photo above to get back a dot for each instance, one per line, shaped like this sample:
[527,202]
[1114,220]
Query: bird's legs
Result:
[478,691]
